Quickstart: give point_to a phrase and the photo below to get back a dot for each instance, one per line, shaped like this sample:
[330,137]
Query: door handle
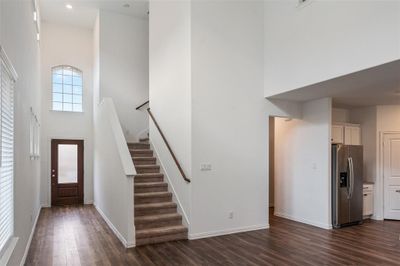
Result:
[398,191]
[351,178]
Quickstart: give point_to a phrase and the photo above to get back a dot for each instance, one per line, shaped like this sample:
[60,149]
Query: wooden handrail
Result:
[169,147]
[143,104]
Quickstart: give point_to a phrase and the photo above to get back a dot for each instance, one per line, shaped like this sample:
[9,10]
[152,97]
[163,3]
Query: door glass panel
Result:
[67,163]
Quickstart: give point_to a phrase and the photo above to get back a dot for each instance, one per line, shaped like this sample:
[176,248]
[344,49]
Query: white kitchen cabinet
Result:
[337,134]
[349,134]
[352,135]
[368,200]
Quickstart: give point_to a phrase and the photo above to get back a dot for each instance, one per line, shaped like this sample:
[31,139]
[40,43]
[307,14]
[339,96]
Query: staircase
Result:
[156,216]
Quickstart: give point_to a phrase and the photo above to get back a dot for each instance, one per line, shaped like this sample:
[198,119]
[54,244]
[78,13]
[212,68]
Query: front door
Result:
[391,172]
[66,172]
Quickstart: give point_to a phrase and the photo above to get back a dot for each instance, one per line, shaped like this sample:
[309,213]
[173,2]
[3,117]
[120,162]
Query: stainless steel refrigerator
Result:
[347,185]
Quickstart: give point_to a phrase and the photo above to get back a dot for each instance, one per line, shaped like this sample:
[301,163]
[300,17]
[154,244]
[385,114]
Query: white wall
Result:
[66,45]
[96,64]
[170,90]
[326,39]
[124,70]
[302,165]
[113,171]
[206,91]
[340,115]
[388,118]
[229,118]
[18,38]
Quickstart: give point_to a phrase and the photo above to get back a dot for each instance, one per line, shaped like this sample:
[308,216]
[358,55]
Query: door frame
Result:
[379,211]
[81,145]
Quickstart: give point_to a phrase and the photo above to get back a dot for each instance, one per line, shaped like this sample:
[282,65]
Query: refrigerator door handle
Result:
[351,177]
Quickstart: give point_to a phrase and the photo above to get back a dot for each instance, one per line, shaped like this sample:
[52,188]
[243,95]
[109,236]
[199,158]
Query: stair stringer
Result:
[175,197]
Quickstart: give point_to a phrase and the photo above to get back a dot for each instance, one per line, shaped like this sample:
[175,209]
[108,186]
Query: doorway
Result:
[66,172]
[391,175]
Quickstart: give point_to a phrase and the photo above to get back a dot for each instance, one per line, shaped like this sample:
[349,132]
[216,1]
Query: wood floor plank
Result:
[79,236]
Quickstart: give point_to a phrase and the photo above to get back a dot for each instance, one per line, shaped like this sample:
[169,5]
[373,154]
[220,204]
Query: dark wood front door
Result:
[66,172]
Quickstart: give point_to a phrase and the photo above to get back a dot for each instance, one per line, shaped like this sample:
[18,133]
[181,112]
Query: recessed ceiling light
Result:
[68,6]
[126,5]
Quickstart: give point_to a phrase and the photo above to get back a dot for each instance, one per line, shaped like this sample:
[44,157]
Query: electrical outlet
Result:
[230,215]
[205,167]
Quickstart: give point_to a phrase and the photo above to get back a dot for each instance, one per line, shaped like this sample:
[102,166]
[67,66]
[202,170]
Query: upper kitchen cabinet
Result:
[352,135]
[349,134]
[337,134]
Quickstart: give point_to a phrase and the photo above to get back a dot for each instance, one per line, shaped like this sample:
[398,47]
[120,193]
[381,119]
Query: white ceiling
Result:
[83,13]
[379,85]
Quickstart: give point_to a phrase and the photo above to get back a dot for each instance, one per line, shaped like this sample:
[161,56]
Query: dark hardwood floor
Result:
[79,236]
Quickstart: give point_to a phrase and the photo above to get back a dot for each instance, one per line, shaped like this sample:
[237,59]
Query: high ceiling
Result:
[83,12]
[379,85]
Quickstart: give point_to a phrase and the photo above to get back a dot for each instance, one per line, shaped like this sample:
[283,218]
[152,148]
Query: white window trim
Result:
[8,249]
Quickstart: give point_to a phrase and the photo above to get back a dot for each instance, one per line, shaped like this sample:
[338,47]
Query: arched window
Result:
[67,89]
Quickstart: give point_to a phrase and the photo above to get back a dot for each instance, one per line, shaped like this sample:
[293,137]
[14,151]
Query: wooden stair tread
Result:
[137,143]
[150,175]
[153,194]
[146,166]
[143,158]
[157,205]
[144,161]
[151,184]
[161,231]
[157,217]
[141,153]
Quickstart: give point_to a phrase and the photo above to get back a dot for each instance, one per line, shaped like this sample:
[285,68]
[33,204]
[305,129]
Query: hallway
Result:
[79,236]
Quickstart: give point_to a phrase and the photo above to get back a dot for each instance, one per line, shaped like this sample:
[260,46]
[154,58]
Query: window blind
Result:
[6,152]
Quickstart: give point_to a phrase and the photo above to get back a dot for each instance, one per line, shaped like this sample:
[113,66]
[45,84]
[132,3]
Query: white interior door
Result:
[391,172]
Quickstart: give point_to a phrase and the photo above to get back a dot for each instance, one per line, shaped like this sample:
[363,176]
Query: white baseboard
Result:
[377,218]
[114,229]
[228,231]
[89,202]
[28,245]
[304,221]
